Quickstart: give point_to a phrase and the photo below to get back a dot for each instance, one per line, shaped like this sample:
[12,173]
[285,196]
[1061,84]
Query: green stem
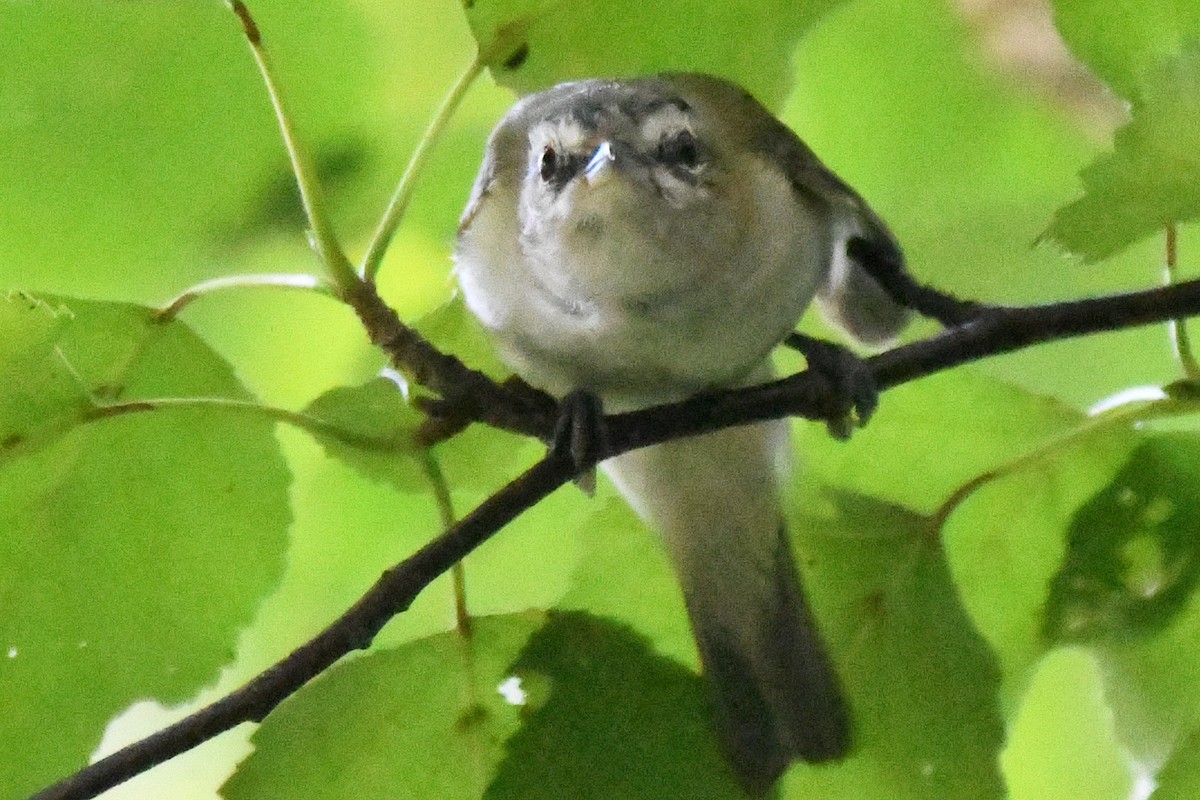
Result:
[394,214]
[1180,341]
[458,574]
[97,412]
[280,280]
[322,236]
[1124,414]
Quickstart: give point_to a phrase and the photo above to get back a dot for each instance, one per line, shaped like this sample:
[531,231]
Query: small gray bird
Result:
[645,240]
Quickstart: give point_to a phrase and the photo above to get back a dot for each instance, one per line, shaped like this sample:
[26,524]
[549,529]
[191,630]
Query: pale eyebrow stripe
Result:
[670,118]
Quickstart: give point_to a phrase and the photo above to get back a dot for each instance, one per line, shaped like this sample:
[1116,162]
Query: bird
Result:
[645,240]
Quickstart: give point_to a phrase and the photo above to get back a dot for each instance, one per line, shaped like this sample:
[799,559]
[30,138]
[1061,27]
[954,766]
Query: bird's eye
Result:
[679,150]
[549,163]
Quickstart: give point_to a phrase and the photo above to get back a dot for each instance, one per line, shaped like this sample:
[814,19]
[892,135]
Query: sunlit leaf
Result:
[119,533]
[543,42]
[420,721]
[371,428]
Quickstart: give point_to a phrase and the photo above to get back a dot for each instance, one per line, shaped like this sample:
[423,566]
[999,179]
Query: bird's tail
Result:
[715,500]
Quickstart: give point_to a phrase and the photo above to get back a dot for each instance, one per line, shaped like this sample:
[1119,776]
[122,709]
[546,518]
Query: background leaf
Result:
[439,736]
[1150,179]
[1121,41]
[547,41]
[119,533]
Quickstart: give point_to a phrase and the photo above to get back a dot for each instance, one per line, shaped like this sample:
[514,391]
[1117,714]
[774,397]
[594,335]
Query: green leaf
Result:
[623,574]
[1133,549]
[135,547]
[371,428]
[1120,40]
[906,650]
[909,657]
[1127,588]
[955,425]
[39,392]
[479,457]
[608,717]
[1063,741]
[534,44]
[1152,177]
[423,720]
[1006,541]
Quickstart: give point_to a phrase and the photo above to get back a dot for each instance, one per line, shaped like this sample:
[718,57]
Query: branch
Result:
[990,331]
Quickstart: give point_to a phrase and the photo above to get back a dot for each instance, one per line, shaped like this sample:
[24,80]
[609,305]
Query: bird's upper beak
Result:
[599,167]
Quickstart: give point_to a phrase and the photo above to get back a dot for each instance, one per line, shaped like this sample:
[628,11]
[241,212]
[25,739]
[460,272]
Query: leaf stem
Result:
[1126,413]
[458,573]
[1180,341]
[279,280]
[322,236]
[393,215]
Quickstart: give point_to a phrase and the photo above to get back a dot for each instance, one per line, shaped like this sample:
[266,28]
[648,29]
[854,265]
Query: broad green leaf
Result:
[40,394]
[906,650]
[1127,588]
[371,428]
[1121,40]
[1133,549]
[1151,179]
[424,720]
[533,44]
[623,574]
[908,654]
[608,717]
[1063,742]
[931,436]
[135,547]
[1005,540]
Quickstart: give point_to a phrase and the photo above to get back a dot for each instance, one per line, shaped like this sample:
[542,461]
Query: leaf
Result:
[1127,588]
[953,425]
[608,717]
[479,457]
[1006,540]
[1133,549]
[1151,179]
[135,547]
[1063,742]
[423,720]
[1121,40]
[39,391]
[370,428]
[907,652]
[534,44]
[904,646]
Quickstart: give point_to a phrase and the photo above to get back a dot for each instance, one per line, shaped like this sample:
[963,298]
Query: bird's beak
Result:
[599,166]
